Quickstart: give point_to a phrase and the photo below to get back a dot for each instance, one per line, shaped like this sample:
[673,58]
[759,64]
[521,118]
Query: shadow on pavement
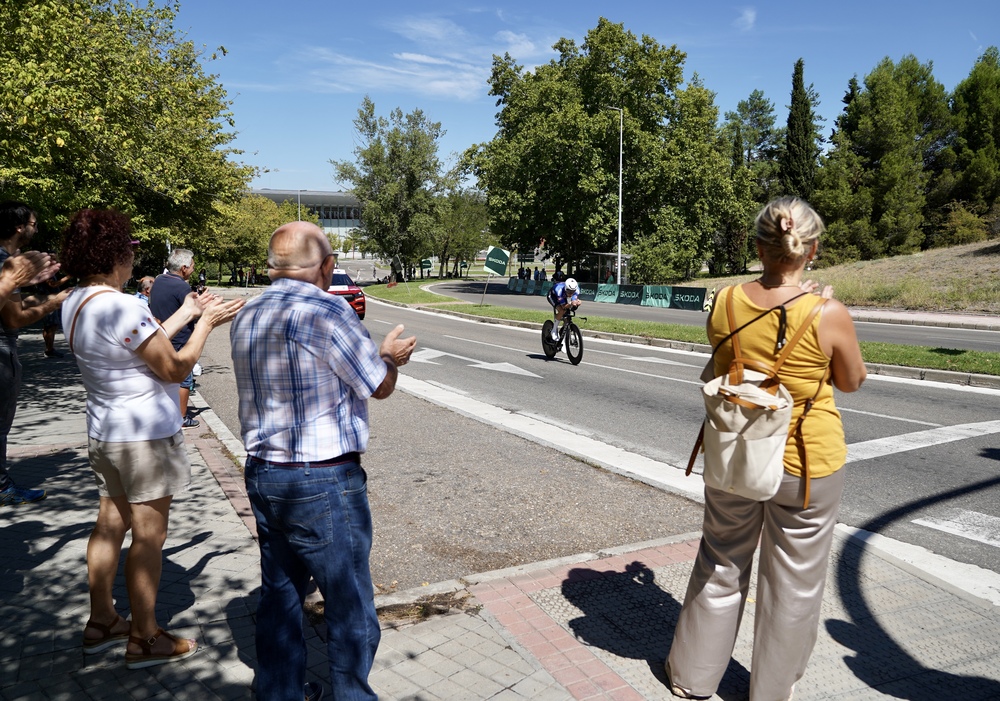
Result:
[630,616]
[881,661]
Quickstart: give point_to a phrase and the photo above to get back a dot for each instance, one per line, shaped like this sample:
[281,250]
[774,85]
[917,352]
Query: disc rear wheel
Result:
[549,347]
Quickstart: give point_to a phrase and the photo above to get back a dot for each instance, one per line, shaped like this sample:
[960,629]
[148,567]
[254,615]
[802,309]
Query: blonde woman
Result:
[794,539]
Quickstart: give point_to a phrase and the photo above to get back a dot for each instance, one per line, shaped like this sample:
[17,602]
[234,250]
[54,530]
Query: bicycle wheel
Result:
[549,347]
[574,344]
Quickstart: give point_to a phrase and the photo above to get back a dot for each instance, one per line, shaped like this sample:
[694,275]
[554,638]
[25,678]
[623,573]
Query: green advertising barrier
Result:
[692,298]
[629,294]
[663,296]
[656,296]
[607,294]
[587,292]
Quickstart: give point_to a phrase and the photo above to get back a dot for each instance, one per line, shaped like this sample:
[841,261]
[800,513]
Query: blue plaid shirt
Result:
[305,367]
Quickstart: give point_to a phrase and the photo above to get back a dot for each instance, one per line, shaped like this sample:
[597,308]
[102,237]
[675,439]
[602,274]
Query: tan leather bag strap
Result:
[72,328]
[773,381]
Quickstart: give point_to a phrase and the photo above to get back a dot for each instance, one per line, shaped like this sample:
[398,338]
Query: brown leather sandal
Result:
[183,648]
[108,637]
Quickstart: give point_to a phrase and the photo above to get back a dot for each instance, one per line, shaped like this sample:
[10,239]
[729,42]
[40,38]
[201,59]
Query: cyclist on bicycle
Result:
[563,296]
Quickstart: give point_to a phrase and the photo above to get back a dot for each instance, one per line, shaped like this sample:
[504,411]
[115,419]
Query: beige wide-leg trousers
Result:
[794,552]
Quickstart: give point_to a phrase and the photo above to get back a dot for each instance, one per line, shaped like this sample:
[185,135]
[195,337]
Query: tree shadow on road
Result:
[880,660]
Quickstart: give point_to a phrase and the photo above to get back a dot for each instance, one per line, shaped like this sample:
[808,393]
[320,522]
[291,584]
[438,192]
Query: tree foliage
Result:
[397,179]
[752,129]
[102,104]
[976,109]
[463,229]
[551,171]
[799,158]
[874,182]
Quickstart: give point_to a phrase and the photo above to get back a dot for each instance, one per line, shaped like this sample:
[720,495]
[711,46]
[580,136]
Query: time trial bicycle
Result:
[569,334]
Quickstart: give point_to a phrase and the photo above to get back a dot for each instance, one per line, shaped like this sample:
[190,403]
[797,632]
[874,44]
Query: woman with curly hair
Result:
[135,443]
[794,527]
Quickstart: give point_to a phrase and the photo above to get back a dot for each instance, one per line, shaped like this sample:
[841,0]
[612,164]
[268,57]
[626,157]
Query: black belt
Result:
[353,456]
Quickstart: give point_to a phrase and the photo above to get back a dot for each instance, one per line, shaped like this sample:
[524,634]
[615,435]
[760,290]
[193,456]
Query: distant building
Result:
[338,212]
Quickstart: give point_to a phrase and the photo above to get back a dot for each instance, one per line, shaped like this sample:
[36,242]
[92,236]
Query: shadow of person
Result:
[883,663]
[629,615]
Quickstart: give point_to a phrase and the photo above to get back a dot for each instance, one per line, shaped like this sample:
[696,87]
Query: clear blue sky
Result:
[297,70]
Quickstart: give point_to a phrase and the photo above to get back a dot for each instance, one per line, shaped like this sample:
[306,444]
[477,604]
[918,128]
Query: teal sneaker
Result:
[14,495]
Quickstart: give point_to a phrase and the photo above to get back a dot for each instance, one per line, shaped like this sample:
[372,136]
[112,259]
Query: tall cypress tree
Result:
[798,160]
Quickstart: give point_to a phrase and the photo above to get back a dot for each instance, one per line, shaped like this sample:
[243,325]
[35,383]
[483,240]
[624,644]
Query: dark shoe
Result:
[54,354]
[183,648]
[314,691]
[14,495]
[191,423]
[108,637]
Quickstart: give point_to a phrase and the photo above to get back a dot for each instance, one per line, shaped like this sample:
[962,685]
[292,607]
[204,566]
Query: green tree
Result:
[799,158]
[552,170]
[760,142]
[463,229]
[102,104]
[888,145]
[976,108]
[701,198]
[396,177]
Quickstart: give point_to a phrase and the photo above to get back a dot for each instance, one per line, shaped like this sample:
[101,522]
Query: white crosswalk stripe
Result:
[973,525]
[890,445]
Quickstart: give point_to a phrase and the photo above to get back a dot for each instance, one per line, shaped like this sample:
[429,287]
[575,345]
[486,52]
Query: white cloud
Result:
[974,37]
[747,19]
[432,56]
[517,45]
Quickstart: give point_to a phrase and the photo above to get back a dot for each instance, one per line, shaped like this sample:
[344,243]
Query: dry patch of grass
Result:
[957,279]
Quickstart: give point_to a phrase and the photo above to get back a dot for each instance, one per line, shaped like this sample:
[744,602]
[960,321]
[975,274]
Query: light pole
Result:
[621,135]
[298,196]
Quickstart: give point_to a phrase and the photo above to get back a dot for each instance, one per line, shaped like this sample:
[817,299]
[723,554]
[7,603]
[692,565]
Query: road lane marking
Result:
[886,416]
[954,387]
[890,445]
[594,365]
[593,452]
[427,355]
[972,525]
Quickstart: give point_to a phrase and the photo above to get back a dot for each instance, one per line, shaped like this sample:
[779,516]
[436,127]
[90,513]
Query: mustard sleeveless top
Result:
[822,430]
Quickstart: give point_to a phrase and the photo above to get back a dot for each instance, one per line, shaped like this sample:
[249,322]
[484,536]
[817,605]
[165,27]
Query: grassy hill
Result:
[957,279]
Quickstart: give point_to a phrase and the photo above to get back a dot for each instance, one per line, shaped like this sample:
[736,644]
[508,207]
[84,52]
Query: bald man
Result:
[305,367]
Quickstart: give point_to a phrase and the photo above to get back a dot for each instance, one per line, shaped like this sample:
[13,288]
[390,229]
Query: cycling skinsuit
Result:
[557,295]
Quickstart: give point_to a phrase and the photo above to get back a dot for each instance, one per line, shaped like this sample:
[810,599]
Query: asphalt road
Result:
[921,451]
[931,454]
[935,337]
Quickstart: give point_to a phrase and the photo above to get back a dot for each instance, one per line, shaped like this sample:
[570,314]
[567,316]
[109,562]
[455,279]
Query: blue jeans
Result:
[313,521]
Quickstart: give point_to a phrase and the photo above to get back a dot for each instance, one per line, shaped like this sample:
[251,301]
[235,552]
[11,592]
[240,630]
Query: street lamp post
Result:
[298,196]
[621,135]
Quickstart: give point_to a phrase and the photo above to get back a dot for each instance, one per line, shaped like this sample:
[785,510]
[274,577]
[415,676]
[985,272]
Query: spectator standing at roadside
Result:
[794,537]
[145,289]
[305,367]
[18,224]
[168,294]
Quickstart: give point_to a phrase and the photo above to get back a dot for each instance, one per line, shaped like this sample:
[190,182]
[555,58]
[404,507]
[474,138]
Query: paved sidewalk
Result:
[593,626]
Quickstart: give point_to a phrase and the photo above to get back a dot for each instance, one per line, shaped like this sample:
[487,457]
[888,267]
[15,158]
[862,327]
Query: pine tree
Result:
[799,159]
